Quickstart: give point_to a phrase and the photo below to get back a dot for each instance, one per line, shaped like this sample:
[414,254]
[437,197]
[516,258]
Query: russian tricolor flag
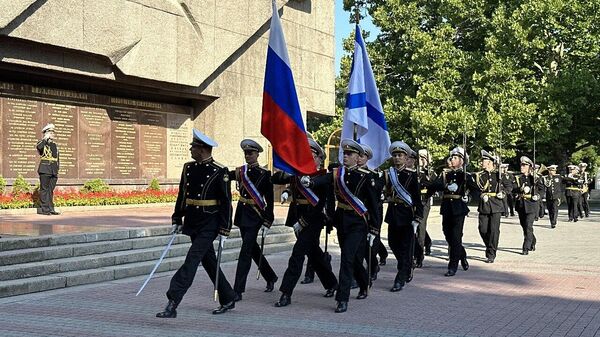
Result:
[282,121]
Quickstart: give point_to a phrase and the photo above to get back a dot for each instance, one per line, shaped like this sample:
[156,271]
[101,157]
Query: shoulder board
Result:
[362,170]
[217,164]
[410,169]
[190,162]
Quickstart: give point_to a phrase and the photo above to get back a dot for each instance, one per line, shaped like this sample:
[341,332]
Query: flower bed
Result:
[77,198]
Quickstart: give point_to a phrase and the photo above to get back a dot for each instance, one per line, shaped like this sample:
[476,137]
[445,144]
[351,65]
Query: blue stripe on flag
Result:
[376,116]
[282,165]
[358,100]
[279,84]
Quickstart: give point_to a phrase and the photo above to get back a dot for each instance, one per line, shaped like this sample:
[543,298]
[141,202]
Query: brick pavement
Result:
[554,291]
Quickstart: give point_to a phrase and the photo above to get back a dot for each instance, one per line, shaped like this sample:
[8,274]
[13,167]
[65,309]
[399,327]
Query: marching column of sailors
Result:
[350,199]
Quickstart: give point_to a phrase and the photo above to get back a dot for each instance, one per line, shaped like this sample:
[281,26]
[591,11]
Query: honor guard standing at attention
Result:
[355,216]
[48,169]
[573,188]
[379,182]
[527,190]
[585,191]
[491,204]
[404,211]
[507,181]
[454,208]
[254,213]
[553,183]
[203,212]
[307,215]
[426,178]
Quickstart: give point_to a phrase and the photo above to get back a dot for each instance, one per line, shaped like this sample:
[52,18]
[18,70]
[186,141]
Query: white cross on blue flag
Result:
[363,107]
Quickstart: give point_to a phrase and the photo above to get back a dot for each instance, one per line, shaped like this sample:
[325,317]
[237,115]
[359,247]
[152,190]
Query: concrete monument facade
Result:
[148,70]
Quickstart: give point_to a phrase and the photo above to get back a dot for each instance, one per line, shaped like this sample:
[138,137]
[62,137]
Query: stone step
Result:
[68,263]
[16,243]
[109,273]
[103,244]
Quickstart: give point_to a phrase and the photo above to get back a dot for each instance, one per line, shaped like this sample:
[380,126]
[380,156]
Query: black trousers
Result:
[572,202]
[251,251]
[542,209]
[452,226]
[510,200]
[422,234]
[47,185]
[552,205]
[489,229]
[307,243]
[201,250]
[400,239]
[585,203]
[526,220]
[352,239]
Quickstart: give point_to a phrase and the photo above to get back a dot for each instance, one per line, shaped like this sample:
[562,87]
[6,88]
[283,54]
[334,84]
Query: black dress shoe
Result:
[464,263]
[353,285]
[307,280]
[450,272]
[54,213]
[575,220]
[45,213]
[169,311]
[490,260]
[224,308]
[237,297]
[382,261]
[533,247]
[419,264]
[570,220]
[397,286]
[525,252]
[362,294]
[270,285]
[284,300]
[330,292]
[553,226]
[342,306]
[428,250]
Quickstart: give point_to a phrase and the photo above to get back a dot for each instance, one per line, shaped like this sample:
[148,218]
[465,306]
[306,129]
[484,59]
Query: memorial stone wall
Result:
[123,141]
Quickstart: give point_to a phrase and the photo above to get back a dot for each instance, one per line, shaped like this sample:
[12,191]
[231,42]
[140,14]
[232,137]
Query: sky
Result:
[343,29]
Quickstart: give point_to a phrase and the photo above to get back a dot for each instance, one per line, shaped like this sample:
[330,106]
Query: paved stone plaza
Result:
[555,291]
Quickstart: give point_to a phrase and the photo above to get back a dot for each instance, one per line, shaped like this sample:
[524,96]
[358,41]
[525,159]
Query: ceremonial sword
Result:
[162,256]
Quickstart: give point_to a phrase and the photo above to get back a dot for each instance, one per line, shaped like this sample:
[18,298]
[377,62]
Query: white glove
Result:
[371,239]
[284,196]
[526,189]
[535,198]
[297,228]
[544,200]
[176,228]
[500,195]
[264,229]
[465,199]
[415,225]
[222,239]
[380,174]
[305,181]
[453,187]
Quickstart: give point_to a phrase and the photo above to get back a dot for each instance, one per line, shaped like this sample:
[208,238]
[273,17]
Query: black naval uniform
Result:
[585,194]
[250,218]
[378,246]
[399,218]
[352,228]
[553,184]
[490,210]
[312,219]
[453,210]
[48,172]
[426,178]
[542,191]
[509,201]
[204,204]
[573,187]
[527,208]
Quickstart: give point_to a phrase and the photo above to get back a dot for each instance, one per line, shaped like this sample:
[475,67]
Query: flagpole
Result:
[357,21]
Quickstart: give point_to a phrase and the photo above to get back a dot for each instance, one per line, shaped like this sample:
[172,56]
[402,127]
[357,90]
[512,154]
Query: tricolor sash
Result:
[399,189]
[251,188]
[307,193]
[345,193]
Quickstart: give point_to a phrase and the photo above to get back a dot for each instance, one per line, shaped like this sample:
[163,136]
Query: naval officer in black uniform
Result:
[203,212]
[254,213]
[48,169]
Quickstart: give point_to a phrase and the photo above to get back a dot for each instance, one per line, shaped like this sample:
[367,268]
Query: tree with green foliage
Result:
[503,72]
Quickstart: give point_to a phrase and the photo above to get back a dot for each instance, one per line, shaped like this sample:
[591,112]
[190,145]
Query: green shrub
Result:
[20,186]
[154,185]
[94,186]
[2,185]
